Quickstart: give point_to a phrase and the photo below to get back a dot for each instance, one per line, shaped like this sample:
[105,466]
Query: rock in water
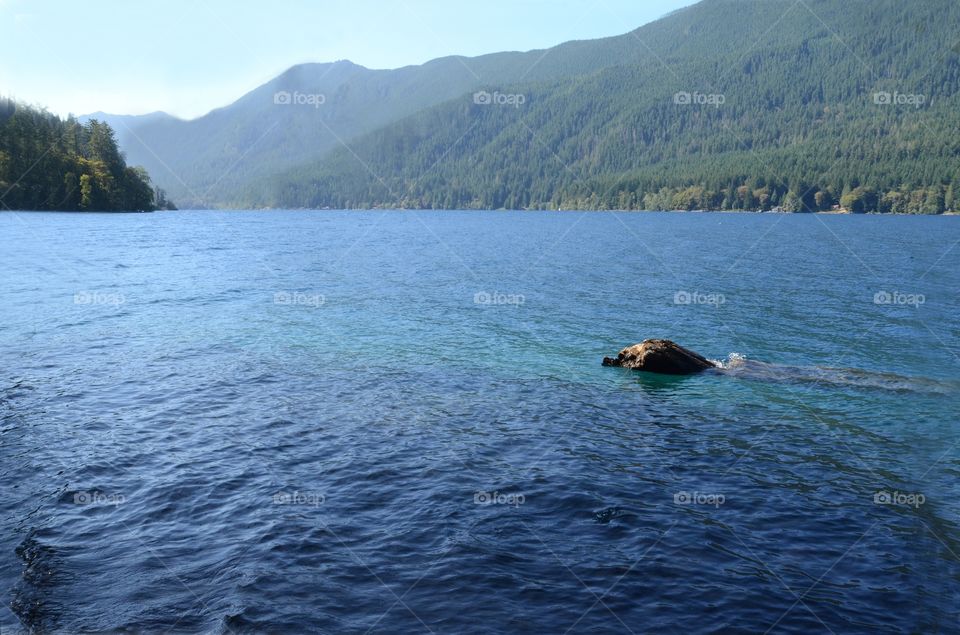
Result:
[660,356]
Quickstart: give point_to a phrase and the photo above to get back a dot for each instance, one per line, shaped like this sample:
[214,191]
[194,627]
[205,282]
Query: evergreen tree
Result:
[47,163]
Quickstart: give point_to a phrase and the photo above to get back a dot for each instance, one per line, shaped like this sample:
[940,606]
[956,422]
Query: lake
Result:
[397,422]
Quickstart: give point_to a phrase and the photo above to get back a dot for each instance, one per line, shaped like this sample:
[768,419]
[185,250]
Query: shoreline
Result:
[400,209]
[564,211]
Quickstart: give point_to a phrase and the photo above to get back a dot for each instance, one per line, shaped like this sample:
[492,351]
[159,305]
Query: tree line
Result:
[49,163]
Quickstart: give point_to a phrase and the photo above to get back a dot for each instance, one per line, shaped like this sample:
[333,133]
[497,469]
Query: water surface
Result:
[398,422]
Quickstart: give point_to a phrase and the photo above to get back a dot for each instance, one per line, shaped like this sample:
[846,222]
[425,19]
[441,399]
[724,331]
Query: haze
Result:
[190,57]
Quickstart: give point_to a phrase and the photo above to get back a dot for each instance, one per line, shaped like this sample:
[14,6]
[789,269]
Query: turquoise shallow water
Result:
[398,422]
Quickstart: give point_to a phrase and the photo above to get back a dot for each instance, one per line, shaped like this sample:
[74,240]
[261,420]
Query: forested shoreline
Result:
[52,164]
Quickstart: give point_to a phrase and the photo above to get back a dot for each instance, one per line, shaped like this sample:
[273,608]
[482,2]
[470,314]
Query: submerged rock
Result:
[660,356]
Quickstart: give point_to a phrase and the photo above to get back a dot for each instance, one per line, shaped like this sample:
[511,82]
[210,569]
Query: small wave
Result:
[740,366]
[30,597]
[734,360]
[604,516]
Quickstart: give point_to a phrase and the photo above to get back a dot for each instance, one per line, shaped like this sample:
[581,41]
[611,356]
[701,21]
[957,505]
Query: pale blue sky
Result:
[189,56]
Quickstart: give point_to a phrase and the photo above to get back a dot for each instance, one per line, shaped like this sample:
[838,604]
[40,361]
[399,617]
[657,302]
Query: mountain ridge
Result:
[203,161]
[787,134]
[600,126]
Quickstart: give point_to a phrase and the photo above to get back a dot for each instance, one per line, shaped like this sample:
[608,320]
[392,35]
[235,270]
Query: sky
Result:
[187,57]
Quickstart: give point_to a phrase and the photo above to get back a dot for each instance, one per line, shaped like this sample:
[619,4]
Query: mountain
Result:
[733,104]
[204,162]
[122,125]
[125,121]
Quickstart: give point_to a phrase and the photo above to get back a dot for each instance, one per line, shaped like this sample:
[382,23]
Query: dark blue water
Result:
[398,422]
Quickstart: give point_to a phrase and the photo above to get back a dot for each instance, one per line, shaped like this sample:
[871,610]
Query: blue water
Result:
[397,422]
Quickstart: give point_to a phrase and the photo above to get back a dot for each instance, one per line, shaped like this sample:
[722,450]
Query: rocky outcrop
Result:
[660,356]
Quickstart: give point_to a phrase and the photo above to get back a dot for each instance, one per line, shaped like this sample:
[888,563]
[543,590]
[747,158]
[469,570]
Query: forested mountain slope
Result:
[733,104]
[313,108]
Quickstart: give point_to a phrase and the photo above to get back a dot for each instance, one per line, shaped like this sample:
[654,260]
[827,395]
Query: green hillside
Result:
[204,161]
[47,163]
[730,104]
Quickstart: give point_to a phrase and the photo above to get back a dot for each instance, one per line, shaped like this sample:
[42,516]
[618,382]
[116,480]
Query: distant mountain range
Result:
[204,161]
[124,123]
[733,104]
